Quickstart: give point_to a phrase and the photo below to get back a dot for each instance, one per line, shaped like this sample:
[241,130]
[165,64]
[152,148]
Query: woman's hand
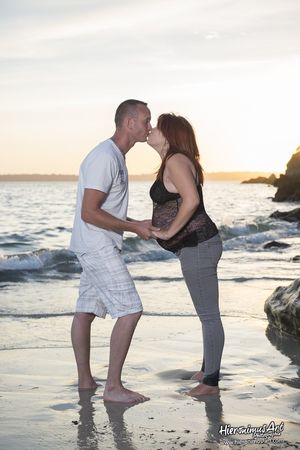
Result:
[162,234]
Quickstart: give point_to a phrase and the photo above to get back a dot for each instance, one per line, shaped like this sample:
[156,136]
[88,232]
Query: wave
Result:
[68,314]
[161,279]
[136,249]
[16,240]
[21,267]
[266,278]
[251,236]
[37,316]
[13,240]
[63,264]
[58,229]
[245,229]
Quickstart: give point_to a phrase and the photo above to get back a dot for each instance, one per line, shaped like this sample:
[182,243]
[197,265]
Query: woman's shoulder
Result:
[179,163]
[178,159]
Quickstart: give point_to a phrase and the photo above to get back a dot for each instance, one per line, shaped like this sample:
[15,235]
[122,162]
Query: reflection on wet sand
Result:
[122,437]
[287,345]
[214,413]
[89,437]
[290,347]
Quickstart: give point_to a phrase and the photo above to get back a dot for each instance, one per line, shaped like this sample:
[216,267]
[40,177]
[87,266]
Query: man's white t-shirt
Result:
[103,169]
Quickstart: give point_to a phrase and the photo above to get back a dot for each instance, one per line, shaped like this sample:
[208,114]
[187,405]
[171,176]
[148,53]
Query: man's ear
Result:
[130,123]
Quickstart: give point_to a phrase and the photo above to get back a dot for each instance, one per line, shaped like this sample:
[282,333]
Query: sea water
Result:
[39,276]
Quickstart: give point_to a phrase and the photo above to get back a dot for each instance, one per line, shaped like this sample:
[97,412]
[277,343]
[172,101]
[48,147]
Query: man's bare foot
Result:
[122,395]
[88,384]
[198,376]
[203,389]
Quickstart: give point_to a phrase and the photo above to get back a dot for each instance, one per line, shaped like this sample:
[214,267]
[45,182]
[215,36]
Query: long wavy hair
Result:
[181,137]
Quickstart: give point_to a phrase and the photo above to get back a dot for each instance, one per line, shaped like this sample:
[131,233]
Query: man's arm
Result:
[92,213]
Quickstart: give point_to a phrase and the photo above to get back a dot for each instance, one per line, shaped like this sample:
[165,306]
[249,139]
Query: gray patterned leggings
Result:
[199,269]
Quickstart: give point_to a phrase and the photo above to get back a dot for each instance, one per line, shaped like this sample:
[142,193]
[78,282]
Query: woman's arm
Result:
[179,171]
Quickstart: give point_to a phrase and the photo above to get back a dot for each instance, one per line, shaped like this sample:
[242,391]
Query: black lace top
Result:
[199,228]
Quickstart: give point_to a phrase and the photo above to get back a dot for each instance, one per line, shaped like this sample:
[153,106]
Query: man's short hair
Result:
[125,109]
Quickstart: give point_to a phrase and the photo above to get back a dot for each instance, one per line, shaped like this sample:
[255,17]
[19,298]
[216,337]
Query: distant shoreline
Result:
[214,176]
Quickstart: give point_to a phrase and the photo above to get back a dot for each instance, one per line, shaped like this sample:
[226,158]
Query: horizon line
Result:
[132,174]
[218,175]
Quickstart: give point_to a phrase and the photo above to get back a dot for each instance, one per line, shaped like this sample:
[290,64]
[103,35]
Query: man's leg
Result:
[81,337]
[119,344]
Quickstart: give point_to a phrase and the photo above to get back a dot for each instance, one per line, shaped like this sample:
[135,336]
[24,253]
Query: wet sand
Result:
[42,409]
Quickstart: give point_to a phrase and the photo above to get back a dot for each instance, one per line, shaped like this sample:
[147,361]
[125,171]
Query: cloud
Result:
[206,29]
[61,50]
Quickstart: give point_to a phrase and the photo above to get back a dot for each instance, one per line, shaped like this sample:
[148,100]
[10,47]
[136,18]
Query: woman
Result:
[187,230]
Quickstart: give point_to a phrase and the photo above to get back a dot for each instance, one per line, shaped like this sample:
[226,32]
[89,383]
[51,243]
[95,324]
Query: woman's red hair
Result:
[181,138]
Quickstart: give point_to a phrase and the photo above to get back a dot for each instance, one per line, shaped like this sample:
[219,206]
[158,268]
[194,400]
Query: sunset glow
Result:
[232,69]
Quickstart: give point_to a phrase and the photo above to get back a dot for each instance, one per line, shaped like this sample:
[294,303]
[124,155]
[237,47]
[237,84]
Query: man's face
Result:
[142,124]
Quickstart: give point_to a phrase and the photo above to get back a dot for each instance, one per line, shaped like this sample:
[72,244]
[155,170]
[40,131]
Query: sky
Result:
[231,67]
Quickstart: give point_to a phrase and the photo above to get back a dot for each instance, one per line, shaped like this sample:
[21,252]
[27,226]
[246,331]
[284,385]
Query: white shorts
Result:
[106,285]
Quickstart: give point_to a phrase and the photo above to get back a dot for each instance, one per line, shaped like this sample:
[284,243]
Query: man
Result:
[100,220]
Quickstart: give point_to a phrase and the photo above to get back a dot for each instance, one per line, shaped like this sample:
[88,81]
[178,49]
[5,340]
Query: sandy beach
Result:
[231,69]
[42,409]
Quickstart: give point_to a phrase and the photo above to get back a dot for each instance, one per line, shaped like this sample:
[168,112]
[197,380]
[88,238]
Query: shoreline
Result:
[257,387]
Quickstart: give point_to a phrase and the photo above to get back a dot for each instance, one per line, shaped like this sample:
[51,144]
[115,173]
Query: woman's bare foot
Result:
[203,389]
[122,395]
[198,376]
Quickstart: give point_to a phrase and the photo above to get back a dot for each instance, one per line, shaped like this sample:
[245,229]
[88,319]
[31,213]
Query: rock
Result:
[283,308]
[289,216]
[293,166]
[261,180]
[296,258]
[276,244]
[289,184]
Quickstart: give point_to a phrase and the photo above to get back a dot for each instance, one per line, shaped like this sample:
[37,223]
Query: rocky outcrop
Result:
[261,180]
[276,244]
[283,308]
[288,216]
[289,184]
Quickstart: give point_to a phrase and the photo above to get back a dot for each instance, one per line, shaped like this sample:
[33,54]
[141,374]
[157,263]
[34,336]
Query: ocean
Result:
[39,276]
